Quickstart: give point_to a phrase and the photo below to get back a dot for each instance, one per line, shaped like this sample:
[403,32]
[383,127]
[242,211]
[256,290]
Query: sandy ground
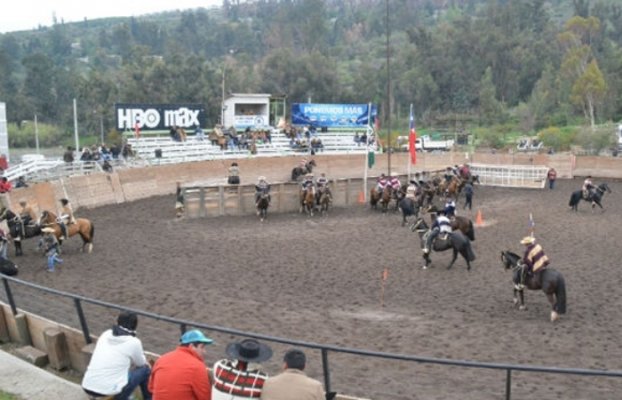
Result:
[318,280]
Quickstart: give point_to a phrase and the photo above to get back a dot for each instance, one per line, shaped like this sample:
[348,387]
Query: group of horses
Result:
[19,232]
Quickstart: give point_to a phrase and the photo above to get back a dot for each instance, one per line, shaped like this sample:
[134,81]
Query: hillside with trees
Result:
[514,65]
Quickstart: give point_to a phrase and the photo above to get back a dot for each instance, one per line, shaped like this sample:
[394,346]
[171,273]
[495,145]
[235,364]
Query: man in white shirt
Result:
[110,371]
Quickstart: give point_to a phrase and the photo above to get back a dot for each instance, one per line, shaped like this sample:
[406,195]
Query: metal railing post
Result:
[326,371]
[508,384]
[85,327]
[9,296]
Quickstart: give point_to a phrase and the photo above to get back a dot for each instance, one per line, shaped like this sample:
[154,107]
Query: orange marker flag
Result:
[385,274]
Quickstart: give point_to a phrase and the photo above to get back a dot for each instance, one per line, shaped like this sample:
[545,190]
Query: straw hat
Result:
[528,240]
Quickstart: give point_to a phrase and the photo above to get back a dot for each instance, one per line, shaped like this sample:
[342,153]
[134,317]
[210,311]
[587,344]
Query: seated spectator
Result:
[5,185]
[181,373]
[198,133]
[241,371]
[106,166]
[4,164]
[21,182]
[110,371]
[357,138]
[292,383]
[127,151]
[86,154]
[68,155]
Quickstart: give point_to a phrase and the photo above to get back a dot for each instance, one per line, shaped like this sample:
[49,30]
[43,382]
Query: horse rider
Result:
[450,208]
[27,215]
[449,175]
[587,188]
[534,260]
[465,171]
[412,190]
[442,224]
[179,201]
[234,174]
[394,182]
[303,165]
[381,182]
[322,185]
[66,217]
[261,187]
[307,184]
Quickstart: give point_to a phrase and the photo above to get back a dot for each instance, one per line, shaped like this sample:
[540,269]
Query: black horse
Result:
[456,241]
[262,205]
[595,197]
[409,207]
[553,284]
[15,229]
[300,171]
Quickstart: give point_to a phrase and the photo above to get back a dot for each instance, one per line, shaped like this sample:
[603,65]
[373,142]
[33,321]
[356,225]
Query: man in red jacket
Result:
[181,373]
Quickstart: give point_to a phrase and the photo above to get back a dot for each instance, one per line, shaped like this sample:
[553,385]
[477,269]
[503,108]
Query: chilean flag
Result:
[412,137]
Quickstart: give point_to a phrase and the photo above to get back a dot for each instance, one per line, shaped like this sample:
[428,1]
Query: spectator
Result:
[68,155]
[110,371]
[292,383]
[21,182]
[241,371]
[86,154]
[4,164]
[5,185]
[106,166]
[50,247]
[181,373]
[198,133]
[551,176]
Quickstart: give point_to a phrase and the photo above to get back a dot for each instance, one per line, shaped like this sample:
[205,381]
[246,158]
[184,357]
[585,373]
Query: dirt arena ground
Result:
[318,280]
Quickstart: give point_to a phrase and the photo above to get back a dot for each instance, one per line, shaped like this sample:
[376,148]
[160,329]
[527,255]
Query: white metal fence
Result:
[523,176]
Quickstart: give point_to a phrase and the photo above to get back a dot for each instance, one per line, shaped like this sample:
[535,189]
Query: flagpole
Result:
[408,161]
[366,153]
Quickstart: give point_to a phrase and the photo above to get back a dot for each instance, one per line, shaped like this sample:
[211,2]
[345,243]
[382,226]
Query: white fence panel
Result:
[523,176]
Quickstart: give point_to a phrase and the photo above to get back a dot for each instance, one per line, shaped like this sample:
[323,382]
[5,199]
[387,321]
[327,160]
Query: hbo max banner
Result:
[332,115]
[158,116]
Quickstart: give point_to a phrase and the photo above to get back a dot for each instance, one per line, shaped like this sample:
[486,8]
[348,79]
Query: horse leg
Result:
[18,247]
[521,295]
[515,297]
[553,301]
[453,259]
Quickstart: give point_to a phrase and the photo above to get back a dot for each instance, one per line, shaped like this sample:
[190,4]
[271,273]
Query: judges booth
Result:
[255,111]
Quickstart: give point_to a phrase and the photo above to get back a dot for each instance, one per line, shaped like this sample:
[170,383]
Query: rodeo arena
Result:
[401,275]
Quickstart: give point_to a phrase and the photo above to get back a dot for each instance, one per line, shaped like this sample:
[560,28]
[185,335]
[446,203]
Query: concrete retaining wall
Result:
[99,189]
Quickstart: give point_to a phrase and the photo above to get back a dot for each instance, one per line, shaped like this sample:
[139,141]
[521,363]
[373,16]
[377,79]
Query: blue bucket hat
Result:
[195,336]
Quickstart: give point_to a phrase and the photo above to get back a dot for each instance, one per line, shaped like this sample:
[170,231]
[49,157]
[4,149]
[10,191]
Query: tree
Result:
[588,90]
[490,109]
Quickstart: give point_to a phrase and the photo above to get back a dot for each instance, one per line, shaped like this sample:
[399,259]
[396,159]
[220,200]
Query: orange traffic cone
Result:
[361,198]
[478,219]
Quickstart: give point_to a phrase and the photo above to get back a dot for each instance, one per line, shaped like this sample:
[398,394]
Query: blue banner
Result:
[332,115]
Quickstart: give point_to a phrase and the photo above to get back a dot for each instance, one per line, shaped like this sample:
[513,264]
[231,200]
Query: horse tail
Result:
[471,231]
[560,294]
[574,199]
[469,251]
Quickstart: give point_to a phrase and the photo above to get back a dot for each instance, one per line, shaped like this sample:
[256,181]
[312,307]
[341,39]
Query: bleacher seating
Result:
[193,149]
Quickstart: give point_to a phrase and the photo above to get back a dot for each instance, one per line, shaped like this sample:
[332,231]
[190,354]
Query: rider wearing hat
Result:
[307,183]
[450,208]
[381,183]
[66,217]
[322,185]
[442,224]
[394,181]
[587,188]
[534,260]
[234,174]
[27,215]
[261,187]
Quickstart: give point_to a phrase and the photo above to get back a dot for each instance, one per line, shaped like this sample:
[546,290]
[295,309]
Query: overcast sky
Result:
[17,15]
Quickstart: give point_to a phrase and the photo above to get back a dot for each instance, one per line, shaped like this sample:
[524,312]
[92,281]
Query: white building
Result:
[259,110]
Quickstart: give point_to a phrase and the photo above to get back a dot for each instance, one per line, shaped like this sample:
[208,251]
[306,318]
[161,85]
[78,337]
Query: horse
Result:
[456,241]
[453,188]
[460,223]
[595,197]
[262,205]
[83,227]
[553,284]
[307,201]
[325,199]
[409,207]
[374,198]
[387,195]
[15,229]
[301,171]
[7,267]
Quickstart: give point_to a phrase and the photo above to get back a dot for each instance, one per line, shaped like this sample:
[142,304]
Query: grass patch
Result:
[8,396]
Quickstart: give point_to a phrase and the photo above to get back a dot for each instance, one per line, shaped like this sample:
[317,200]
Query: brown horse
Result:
[374,198]
[387,195]
[307,201]
[453,187]
[83,227]
[325,199]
